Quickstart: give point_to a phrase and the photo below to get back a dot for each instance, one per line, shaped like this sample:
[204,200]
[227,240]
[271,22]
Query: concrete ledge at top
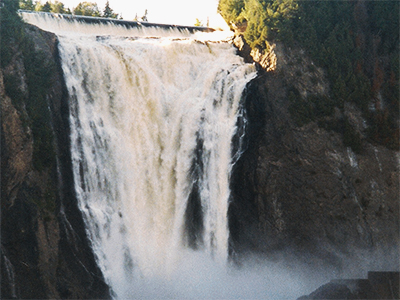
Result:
[126,23]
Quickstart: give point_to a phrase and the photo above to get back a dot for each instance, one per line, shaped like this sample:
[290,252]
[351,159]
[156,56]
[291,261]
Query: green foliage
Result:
[26,5]
[268,20]
[87,9]
[231,10]
[356,42]
[58,7]
[257,31]
[45,8]
[346,39]
[108,12]
[198,22]
[49,6]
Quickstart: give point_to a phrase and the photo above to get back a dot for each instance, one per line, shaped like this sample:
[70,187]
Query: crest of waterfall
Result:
[152,119]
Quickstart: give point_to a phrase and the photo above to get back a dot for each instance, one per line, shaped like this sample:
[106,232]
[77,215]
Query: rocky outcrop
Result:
[299,191]
[44,249]
[266,59]
[379,285]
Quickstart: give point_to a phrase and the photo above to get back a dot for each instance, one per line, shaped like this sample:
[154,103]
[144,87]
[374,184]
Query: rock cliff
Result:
[44,249]
[299,191]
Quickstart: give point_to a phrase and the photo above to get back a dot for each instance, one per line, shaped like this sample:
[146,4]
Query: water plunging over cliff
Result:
[152,120]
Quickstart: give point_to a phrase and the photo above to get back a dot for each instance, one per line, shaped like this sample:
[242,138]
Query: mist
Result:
[198,276]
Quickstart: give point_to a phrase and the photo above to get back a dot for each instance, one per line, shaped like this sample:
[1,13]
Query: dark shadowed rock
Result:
[299,191]
[379,285]
[45,252]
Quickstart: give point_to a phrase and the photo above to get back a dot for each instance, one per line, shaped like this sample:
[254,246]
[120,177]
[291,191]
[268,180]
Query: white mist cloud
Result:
[199,277]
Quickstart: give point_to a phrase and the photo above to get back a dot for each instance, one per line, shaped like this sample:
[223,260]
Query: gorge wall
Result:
[44,249]
[297,191]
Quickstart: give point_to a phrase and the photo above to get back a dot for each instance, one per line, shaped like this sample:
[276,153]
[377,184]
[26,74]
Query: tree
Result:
[58,7]
[45,7]
[144,18]
[108,12]
[231,10]
[26,5]
[265,18]
[87,9]
[198,23]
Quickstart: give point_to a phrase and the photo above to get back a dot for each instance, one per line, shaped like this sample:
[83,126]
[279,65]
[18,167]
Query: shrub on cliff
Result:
[356,42]
[266,19]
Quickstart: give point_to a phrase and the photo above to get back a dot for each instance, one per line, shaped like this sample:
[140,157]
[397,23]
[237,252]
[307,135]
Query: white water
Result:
[140,107]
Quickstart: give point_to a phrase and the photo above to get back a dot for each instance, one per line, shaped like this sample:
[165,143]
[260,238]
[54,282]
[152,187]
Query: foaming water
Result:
[141,108]
[152,118]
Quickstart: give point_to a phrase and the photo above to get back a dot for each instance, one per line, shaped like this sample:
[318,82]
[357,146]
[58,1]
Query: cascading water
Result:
[152,120]
[153,113]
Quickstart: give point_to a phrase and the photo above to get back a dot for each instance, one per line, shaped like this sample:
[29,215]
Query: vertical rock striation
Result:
[44,248]
[300,192]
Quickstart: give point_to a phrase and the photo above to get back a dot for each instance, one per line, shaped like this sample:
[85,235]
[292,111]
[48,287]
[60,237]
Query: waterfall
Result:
[152,118]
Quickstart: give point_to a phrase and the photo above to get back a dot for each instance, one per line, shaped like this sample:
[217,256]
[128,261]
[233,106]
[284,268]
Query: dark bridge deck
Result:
[125,23]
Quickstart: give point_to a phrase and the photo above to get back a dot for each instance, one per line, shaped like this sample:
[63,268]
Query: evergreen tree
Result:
[231,11]
[108,12]
[46,7]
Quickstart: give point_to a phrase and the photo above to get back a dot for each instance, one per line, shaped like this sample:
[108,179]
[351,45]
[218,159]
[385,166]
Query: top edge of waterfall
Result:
[126,23]
[63,24]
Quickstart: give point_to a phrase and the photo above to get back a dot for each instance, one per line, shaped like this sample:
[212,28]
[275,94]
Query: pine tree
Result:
[108,12]
[46,7]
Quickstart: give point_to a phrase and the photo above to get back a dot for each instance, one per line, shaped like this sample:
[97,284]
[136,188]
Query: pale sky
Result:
[178,12]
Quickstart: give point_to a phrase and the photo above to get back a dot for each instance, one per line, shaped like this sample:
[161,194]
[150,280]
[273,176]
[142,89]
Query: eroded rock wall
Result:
[299,192]
[44,248]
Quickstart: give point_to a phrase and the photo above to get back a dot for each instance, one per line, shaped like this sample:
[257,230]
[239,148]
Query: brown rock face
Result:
[298,191]
[44,249]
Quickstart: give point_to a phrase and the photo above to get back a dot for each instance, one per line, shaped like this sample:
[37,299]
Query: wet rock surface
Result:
[300,192]
[44,248]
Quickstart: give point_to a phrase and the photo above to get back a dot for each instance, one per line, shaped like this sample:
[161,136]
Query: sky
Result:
[177,12]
